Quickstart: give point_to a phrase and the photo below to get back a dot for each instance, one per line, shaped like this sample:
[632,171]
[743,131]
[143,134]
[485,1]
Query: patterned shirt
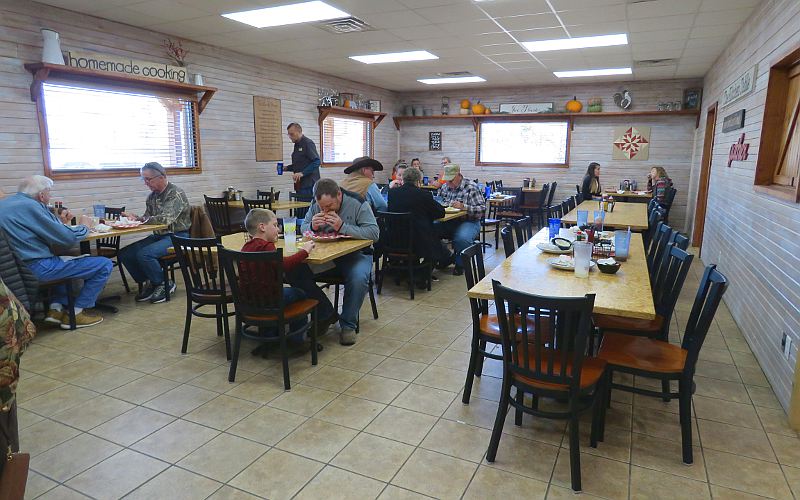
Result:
[18,331]
[468,194]
[170,207]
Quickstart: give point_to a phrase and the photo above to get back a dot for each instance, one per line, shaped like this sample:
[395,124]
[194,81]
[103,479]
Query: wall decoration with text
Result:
[125,65]
[739,151]
[531,107]
[268,128]
[733,121]
[741,87]
[631,143]
[434,141]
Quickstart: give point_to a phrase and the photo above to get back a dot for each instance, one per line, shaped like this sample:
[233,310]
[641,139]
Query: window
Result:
[92,129]
[523,142]
[345,139]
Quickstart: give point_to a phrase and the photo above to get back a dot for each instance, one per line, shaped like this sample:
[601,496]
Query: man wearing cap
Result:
[361,179]
[305,160]
[461,193]
[166,204]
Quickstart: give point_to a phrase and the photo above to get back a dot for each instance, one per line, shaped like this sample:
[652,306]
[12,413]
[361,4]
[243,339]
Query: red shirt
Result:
[259,245]
[258,283]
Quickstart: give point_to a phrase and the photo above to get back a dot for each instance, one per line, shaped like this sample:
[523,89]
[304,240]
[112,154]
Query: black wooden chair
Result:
[523,230]
[219,213]
[256,281]
[109,247]
[571,203]
[549,362]
[658,243]
[205,285]
[660,360]
[510,210]
[269,196]
[300,213]
[578,191]
[555,212]
[653,218]
[250,204]
[552,193]
[539,210]
[508,241]
[397,250]
[489,223]
[669,198]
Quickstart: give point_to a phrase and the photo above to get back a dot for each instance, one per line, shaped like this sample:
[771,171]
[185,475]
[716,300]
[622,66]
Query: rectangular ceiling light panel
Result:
[577,43]
[593,72]
[282,15]
[414,55]
[460,79]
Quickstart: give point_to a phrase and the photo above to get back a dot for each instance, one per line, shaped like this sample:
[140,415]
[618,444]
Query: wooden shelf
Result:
[44,71]
[375,116]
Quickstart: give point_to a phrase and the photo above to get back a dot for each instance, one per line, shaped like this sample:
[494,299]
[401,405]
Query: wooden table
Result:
[144,228]
[501,200]
[624,215]
[432,188]
[277,205]
[626,293]
[322,253]
[453,215]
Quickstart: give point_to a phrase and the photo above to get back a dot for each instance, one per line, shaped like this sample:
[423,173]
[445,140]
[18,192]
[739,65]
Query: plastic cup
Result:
[280,168]
[290,230]
[622,244]
[554,225]
[583,217]
[99,210]
[582,251]
[599,219]
[425,180]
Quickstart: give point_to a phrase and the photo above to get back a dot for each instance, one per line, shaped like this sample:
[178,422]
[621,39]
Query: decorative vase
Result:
[51,48]
[198,79]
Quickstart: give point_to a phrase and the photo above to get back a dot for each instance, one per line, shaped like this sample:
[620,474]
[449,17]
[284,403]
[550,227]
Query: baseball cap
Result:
[451,170]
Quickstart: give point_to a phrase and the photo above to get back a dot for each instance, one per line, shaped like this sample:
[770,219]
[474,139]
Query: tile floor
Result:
[116,411]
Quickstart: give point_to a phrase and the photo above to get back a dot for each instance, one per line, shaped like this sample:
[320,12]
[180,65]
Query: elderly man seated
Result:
[361,180]
[32,229]
[462,193]
[338,211]
[166,204]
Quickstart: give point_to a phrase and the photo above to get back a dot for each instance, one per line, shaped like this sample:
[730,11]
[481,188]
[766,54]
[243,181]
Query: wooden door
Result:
[705,174]
[789,156]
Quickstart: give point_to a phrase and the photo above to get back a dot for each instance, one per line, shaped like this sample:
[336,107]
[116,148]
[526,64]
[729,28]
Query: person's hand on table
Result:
[308,246]
[130,215]
[457,204]
[297,176]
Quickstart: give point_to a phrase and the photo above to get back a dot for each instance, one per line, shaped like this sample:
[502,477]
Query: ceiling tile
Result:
[658,8]
[452,13]
[659,23]
[659,35]
[399,19]
[532,21]
[691,70]
[655,52]
[128,16]
[502,49]
[467,28]
[584,4]
[515,7]
[209,25]
[712,5]
[167,10]
[607,14]
[361,8]
[419,4]
[540,34]
[720,41]
[722,17]
[218,6]
[417,32]
[592,29]
[654,73]
[714,31]
[507,58]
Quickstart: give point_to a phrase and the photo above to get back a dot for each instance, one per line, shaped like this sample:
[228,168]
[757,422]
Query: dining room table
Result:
[624,215]
[451,215]
[323,252]
[633,196]
[626,293]
[276,205]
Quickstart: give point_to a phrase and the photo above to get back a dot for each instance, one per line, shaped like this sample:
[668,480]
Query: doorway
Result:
[705,174]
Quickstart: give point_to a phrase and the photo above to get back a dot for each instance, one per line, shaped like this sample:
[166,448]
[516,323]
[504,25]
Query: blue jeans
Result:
[94,271]
[463,234]
[356,269]
[141,258]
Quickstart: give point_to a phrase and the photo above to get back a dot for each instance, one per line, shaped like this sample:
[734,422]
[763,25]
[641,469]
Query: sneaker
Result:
[55,317]
[458,271]
[347,336]
[160,293]
[82,320]
[146,293]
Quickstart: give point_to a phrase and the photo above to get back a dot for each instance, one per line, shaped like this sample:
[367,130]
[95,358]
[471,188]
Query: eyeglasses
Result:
[148,179]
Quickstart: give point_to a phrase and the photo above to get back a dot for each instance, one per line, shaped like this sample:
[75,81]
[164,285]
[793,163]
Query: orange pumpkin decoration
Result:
[574,105]
[487,111]
[478,108]
[465,103]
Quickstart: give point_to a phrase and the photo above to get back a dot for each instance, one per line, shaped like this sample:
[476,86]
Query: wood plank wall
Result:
[754,238]
[672,138]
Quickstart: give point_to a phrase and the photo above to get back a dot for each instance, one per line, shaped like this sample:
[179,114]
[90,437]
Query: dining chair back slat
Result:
[706,302]
[250,203]
[667,288]
[219,213]
[659,242]
[109,247]
[300,213]
[523,230]
[397,249]
[508,241]
[552,193]
[269,196]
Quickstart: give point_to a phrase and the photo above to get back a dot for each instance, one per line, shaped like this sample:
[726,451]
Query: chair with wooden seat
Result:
[659,241]
[571,204]
[397,250]
[109,247]
[537,210]
[219,213]
[549,362]
[660,360]
[508,241]
[555,211]
[269,196]
[250,203]
[205,285]
[653,218]
[510,210]
[489,223]
[669,198]
[523,230]
[552,193]
[256,282]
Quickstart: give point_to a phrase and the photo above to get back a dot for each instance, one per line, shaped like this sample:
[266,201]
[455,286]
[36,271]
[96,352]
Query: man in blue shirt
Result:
[32,229]
[305,160]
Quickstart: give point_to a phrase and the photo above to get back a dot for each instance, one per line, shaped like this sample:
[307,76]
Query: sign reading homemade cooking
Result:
[125,65]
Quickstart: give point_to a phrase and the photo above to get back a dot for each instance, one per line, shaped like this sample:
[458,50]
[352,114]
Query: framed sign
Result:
[531,107]
[692,98]
[733,121]
[268,128]
[434,141]
[739,88]
[375,106]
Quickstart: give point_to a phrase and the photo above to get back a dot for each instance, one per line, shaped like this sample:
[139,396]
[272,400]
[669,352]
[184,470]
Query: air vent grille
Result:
[454,74]
[345,25]
[652,63]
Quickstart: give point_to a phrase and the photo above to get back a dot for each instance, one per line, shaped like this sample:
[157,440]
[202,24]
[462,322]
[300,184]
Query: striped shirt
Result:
[468,194]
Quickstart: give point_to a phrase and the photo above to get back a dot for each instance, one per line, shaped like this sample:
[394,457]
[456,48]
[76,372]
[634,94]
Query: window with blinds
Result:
[345,139]
[523,143]
[97,129]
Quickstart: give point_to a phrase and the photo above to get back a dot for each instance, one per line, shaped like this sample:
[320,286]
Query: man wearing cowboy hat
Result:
[361,179]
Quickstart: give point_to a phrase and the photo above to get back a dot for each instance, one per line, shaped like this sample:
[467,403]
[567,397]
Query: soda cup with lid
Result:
[280,168]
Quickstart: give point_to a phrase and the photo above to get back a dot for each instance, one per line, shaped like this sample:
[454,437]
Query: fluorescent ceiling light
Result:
[593,72]
[457,79]
[576,43]
[282,15]
[414,55]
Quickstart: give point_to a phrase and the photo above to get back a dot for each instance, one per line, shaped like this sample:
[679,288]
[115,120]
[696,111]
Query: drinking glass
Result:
[583,218]
[554,225]
[425,180]
[290,231]
[599,219]
[622,242]
[582,251]
[99,210]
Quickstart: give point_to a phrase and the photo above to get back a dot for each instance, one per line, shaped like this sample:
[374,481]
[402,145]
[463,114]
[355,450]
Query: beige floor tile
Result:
[599,476]
[479,412]
[533,459]
[456,360]
[355,413]
[373,456]
[398,331]
[435,474]
[659,424]
[793,478]
[746,474]
[303,400]
[719,371]
[38,485]
[546,430]
[332,483]
[63,493]
[708,353]
[401,425]
[176,484]
[753,376]
[379,345]
[559,493]
[617,444]
[44,435]
[185,370]
[73,457]
[317,439]
[93,412]
[666,456]
[217,379]
[118,475]
[486,387]
[399,369]
[745,359]
[358,361]
[493,483]
[108,380]
[763,396]
[736,440]
[787,448]
[223,457]
[655,485]
[775,421]
[394,493]
[729,391]
[457,440]
[332,378]
[442,378]
[143,389]
[277,474]
[258,389]
[222,412]
[132,426]
[55,401]
[424,399]
[175,441]
[435,338]
[181,400]
[230,493]
[78,369]
[417,352]
[32,385]
[378,389]
[726,412]
[729,494]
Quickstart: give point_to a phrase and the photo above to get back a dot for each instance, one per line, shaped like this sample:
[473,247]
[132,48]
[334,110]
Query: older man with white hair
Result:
[32,229]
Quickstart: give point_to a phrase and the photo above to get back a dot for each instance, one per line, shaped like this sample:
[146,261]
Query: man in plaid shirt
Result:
[458,192]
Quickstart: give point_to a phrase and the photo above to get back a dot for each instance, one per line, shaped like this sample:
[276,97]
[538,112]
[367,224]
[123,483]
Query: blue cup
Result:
[554,225]
[487,191]
[425,180]
[599,219]
[99,210]
[583,217]
[622,243]
[280,168]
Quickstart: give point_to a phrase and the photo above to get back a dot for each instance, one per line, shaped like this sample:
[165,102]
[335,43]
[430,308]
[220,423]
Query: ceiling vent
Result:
[654,63]
[453,74]
[345,25]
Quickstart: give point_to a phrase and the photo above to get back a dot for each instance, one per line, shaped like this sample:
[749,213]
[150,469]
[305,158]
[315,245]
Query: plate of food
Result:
[325,237]
[566,262]
[547,247]
[451,210]
[125,225]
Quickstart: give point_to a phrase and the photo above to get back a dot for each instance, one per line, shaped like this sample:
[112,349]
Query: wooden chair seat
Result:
[641,353]
[212,298]
[592,371]
[510,215]
[490,326]
[293,310]
[104,252]
[608,322]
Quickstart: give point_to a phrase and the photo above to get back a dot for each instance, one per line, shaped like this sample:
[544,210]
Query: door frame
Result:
[705,176]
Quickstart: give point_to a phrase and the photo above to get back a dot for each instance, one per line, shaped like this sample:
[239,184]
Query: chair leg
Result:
[336,298]
[479,366]
[71,306]
[226,331]
[497,236]
[237,343]
[411,282]
[575,453]
[517,412]
[187,326]
[499,420]
[314,325]
[473,362]
[284,357]
[379,276]
[685,391]
[166,280]
[124,279]
[372,302]
[665,388]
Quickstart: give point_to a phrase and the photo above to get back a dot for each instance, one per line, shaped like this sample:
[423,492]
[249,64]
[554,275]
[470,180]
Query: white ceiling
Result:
[480,37]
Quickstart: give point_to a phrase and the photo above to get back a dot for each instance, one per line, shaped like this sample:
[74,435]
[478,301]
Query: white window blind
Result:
[524,142]
[91,129]
[345,139]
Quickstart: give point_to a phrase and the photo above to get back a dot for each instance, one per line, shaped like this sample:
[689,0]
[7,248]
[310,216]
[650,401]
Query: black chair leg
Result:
[124,279]
[165,268]
[411,282]
[226,331]
[665,388]
[71,306]
[284,357]
[473,362]
[186,327]
[575,453]
[314,321]
[517,412]
[237,343]
[685,400]
[479,365]
[499,420]
[336,298]
[372,302]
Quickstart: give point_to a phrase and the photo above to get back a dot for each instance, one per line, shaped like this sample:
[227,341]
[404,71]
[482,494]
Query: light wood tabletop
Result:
[532,190]
[278,205]
[630,194]
[623,216]
[453,215]
[144,228]
[626,293]
[432,188]
[501,200]
[322,253]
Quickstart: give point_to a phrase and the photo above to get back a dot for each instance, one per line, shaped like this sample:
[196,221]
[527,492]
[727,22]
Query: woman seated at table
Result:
[416,163]
[658,183]
[591,182]
[397,174]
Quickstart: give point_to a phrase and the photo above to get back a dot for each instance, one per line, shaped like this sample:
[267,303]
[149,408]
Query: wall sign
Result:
[733,121]
[268,128]
[739,88]
[739,151]
[532,107]
[434,141]
[125,65]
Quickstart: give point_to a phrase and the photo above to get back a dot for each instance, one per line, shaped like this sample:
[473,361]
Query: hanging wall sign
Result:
[268,128]
[733,121]
[739,151]
[434,141]
[741,87]
[126,65]
[525,108]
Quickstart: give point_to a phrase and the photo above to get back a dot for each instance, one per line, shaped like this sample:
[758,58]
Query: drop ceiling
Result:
[482,37]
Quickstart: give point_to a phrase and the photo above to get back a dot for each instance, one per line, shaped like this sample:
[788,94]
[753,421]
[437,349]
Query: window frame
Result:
[525,119]
[369,123]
